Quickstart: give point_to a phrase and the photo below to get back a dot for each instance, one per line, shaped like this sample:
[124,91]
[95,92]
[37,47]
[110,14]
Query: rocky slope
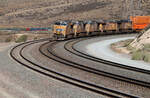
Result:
[142,39]
[41,13]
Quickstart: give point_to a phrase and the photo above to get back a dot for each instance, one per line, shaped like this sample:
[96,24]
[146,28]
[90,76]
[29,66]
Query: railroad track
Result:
[20,58]
[69,46]
[93,70]
[87,56]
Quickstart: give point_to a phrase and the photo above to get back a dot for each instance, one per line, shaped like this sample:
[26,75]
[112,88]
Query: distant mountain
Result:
[41,13]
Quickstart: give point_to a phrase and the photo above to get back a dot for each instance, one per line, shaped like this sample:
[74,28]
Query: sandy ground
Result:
[4,46]
[102,49]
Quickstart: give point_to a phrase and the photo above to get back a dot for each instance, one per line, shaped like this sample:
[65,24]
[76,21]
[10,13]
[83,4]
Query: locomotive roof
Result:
[89,22]
[125,20]
[110,21]
[77,22]
[62,23]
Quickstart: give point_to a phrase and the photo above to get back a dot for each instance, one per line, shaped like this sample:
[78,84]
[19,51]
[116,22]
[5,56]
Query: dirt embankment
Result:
[122,46]
[139,53]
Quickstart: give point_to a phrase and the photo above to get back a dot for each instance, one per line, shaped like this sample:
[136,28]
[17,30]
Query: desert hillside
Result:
[41,13]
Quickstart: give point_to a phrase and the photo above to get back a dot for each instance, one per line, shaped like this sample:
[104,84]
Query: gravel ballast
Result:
[101,49]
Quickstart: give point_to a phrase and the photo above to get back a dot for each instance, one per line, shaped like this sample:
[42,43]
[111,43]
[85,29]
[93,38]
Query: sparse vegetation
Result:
[140,54]
[9,39]
[146,47]
[147,57]
[35,38]
[137,55]
[22,38]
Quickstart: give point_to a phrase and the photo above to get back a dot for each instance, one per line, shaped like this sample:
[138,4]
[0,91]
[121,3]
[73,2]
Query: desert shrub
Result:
[35,38]
[9,39]
[141,55]
[22,38]
[146,47]
[146,57]
[137,55]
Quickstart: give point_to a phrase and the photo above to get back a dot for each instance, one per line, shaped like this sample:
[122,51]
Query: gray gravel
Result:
[101,49]
[17,81]
[126,87]
[33,53]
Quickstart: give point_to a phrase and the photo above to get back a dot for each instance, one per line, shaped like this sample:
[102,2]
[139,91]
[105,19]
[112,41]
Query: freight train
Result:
[72,29]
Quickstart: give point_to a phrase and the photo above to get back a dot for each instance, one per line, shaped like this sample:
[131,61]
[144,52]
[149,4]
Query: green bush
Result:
[147,57]
[22,38]
[137,55]
[8,39]
[146,47]
[141,55]
[35,38]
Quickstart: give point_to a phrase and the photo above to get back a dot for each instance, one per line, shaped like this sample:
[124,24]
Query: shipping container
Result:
[27,29]
[140,22]
[139,26]
[140,19]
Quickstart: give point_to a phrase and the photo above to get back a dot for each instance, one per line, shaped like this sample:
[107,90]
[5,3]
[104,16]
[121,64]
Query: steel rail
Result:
[87,56]
[59,74]
[96,71]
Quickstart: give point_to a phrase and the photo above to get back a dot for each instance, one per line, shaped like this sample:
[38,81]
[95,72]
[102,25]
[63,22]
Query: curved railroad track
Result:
[17,53]
[79,83]
[87,56]
[69,46]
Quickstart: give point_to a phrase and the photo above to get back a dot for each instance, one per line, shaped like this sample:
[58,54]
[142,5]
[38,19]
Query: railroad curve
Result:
[51,50]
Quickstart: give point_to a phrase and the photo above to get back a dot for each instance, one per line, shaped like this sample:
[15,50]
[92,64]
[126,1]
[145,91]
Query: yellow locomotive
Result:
[91,26]
[70,29]
[110,26]
[67,29]
[125,25]
[62,29]
[78,28]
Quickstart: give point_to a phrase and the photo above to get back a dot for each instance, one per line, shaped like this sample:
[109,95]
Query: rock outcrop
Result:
[142,39]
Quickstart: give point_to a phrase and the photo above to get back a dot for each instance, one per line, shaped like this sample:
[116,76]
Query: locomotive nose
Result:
[58,31]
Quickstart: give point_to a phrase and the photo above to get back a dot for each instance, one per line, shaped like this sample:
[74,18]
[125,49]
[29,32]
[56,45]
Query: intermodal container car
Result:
[140,22]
